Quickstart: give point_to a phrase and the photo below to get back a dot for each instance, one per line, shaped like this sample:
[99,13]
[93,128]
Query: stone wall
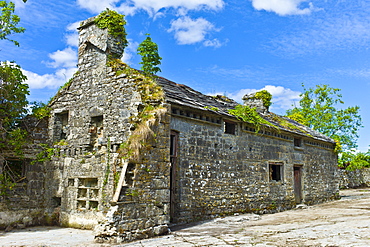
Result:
[25,205]
[354,179]
[221,173]
[91,119]
[144,207]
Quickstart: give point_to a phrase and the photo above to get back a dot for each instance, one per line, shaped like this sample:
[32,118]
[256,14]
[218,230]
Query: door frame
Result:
[174,152]
[297,183]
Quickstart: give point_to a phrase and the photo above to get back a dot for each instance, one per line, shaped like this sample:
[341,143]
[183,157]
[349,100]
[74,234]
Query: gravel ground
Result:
[345,222]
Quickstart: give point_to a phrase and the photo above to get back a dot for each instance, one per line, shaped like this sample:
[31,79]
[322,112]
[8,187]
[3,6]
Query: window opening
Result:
[60,126]
[96,132]
[276,172]
[297,142]
[230,128]
[87,193]
[14,170]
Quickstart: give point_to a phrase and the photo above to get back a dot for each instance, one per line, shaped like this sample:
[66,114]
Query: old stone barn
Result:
[133,155]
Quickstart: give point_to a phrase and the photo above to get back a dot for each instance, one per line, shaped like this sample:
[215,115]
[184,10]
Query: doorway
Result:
[174,139]
[298,184]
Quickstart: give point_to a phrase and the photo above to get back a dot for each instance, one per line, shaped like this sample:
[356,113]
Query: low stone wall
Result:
[354,179]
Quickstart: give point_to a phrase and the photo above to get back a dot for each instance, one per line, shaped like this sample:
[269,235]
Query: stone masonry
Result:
[202,163]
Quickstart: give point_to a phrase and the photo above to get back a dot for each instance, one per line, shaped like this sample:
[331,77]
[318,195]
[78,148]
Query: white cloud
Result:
[65,58]
[52,81]
[64,61]
[282,98]
[282,7]
[212,43]
[190,31]
[185,29]
[97,6]
[130,51]
[72,35]
[130,7]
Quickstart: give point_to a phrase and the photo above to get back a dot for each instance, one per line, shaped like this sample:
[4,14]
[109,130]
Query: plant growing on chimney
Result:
[265,96]
[115,23]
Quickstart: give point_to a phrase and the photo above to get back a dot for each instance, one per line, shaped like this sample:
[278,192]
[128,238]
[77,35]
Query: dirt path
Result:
[340,223]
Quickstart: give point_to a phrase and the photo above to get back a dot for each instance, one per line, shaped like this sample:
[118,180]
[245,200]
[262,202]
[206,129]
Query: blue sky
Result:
[214,46]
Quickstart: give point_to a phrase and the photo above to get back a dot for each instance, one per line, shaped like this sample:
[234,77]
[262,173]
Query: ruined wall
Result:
[91,118]
[144,205]
[354,179]
[25,205]
[221,173]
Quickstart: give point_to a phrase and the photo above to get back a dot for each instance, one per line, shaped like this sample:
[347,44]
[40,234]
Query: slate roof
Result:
[183,95]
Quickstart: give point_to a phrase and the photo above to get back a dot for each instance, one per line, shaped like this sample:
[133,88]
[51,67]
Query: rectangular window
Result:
[276,171]
[297,142]
[96,132]
[60,126]
[87,193]
[230,128]
[14,170]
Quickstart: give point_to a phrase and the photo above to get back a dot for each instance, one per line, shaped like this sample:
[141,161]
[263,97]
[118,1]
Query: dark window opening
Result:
[276,172]
[14,170]
[230,128]
[56,201]
[297,142]
[60,126]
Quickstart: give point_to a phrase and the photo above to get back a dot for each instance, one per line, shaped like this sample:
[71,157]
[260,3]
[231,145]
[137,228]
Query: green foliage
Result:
[211,108]
[249,115]
[152,110]
[115,23]
[352,160]
[9,21]
[40,110]
[265,96]
[6,184]
[150,59]
[319,110]
[45,154]
[13,103]
[222,97]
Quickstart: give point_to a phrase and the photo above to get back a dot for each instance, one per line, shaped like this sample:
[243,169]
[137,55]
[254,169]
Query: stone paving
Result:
[345,222]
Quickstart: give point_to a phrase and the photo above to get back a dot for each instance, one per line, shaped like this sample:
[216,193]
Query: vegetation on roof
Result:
[249,115]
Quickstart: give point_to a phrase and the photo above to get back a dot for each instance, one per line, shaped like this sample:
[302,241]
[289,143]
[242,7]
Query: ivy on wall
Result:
[151,112]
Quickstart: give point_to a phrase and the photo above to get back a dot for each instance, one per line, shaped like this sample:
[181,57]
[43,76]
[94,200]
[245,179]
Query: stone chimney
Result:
[95,45]
[253,102]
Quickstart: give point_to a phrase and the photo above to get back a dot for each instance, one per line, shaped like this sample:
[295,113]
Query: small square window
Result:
[276,172]
[297,142]
[230,128]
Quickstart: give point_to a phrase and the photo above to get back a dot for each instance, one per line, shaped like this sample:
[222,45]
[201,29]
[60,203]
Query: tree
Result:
[318,109]
[13,103]
[9,21]
[352,160]
[13,100]
[148,50]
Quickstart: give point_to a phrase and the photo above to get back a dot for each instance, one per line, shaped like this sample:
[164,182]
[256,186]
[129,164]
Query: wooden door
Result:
[174,138]
[298,184]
